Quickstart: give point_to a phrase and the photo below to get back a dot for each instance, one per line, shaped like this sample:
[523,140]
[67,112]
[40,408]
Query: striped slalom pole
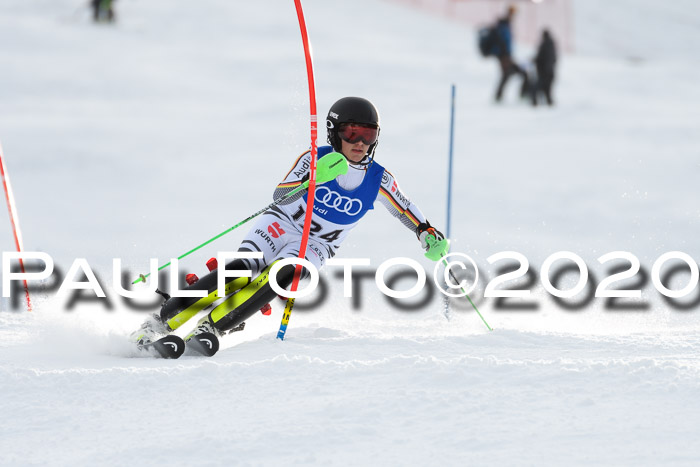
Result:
[14,220]
[312,170]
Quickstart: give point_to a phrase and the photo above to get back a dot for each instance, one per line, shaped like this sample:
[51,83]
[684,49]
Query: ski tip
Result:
[206,344]
[169,347]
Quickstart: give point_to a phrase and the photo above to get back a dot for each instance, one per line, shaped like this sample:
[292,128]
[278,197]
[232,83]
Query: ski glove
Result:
[432,240]
[328,168]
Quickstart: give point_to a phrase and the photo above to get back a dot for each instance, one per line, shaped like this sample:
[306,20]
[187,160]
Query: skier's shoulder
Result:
[388,179]
[303,162]
[305,157]
[390,188]
[390,192]
[320,152]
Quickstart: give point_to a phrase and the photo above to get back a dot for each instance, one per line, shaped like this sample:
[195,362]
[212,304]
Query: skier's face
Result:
[355,152]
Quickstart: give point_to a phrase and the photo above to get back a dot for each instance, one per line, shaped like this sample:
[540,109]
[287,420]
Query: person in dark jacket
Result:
[544,63]
[503,51]
[102,10]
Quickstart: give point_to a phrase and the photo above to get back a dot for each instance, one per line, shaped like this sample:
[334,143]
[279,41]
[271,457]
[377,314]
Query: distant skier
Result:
[502,49]
[103,10]
[353,131]
[545,61]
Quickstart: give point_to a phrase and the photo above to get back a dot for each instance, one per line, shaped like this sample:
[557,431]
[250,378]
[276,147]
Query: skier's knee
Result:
[254,296]
[285,275]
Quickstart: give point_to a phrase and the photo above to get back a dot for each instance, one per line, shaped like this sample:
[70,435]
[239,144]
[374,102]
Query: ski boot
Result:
[153,337]
[204,339]
[150,331]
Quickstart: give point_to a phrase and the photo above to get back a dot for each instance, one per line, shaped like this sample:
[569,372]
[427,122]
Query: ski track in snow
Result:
[122,142]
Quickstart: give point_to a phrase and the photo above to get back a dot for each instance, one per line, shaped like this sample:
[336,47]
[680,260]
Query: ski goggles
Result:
[353,133]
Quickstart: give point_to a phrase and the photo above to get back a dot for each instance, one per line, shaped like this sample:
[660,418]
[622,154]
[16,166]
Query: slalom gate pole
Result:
[449,165]
[14,220]
[143,277]
[446,300]
[313,118]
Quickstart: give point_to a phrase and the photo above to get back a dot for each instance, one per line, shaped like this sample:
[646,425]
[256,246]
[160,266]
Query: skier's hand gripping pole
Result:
[437,250]
[328,168]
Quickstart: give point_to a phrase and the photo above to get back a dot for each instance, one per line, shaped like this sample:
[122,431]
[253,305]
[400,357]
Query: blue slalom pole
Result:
[449,167]
[446,300]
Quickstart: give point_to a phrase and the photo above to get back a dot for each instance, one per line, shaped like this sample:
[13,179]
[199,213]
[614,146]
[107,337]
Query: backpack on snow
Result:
[487,39]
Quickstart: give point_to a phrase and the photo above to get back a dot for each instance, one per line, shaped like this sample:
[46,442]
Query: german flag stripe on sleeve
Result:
[295,163]
[289,185]
[401,210]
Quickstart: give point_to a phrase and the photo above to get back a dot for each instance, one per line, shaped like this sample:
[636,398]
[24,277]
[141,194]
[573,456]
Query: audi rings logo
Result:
[334,200]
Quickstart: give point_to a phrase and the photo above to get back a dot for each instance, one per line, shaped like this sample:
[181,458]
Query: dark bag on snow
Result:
[487,38]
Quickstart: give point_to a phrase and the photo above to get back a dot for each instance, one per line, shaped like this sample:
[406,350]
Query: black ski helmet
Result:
[352,110]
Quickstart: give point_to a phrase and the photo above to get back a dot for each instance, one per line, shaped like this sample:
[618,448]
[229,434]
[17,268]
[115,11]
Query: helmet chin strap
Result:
[363,164]
[366,161]
[358,166]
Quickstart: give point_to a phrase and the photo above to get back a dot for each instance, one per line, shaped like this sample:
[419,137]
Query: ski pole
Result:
[439,247]
[303,186]
[467,296]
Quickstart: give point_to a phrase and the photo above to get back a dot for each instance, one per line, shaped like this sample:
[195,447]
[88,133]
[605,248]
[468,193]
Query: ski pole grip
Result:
[330,166]
[436,248]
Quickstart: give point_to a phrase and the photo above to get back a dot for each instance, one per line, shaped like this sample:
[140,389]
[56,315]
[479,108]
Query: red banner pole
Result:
[13,220]
[312,170]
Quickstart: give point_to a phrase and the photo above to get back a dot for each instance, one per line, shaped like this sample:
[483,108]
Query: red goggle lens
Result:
[354,133]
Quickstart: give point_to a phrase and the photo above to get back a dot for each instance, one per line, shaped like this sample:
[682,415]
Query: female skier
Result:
[340,202]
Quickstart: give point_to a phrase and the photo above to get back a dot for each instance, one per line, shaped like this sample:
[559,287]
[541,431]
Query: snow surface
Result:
[145,138]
